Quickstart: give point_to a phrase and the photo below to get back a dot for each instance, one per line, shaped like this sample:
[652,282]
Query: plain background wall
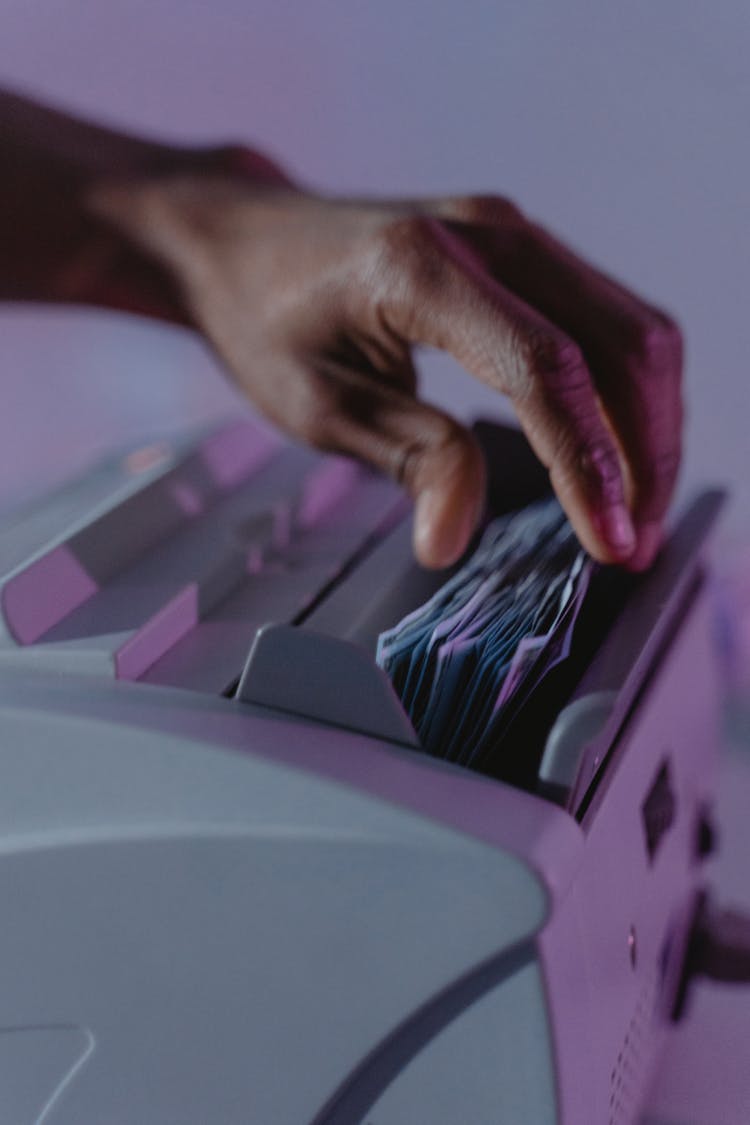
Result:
[623,127]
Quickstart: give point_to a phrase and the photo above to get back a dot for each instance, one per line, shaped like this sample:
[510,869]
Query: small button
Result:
[659,809]
[706,840]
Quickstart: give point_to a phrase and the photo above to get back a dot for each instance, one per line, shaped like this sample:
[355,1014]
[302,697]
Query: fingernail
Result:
[649,541]
[616,526]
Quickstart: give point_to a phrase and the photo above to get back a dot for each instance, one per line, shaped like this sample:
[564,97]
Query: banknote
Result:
[464,662]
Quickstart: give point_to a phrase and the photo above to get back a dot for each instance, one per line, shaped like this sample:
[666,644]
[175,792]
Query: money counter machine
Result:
[249,877]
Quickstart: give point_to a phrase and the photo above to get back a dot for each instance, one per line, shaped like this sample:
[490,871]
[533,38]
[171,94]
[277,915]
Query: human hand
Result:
[314,305]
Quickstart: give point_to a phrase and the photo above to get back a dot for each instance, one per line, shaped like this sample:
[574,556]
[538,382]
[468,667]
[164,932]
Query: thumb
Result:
[437,460]
[446,476]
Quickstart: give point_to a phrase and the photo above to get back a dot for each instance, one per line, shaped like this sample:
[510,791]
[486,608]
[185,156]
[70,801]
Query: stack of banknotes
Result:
[466,661]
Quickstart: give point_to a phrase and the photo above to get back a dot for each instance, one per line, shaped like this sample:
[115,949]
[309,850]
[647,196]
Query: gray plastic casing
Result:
[273,908]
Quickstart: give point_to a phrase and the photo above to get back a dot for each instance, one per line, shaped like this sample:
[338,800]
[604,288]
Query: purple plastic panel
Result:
[158,634]
[188,498]
[44,593]
[236,451]
[703,1076]
[612,950]
[325,488]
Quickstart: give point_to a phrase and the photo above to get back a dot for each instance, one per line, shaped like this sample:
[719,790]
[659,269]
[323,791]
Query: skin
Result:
[315,304]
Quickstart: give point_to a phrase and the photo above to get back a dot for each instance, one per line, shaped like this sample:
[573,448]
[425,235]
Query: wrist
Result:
[116,264]
[145,224]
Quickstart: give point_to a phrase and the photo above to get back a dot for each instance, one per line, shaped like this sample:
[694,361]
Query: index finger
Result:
[634,350]
[430,289]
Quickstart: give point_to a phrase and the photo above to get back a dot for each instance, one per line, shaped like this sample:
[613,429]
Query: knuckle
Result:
[442,442]
[668,323]
[598,464]
[231,156]
[555,361]
[591,460]
[599,459]
[486,210]
[407,467]
[411,248]
[655,347]
[239,159]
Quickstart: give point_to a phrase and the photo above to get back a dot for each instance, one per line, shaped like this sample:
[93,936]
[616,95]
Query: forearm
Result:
[52,247]
[57,243]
